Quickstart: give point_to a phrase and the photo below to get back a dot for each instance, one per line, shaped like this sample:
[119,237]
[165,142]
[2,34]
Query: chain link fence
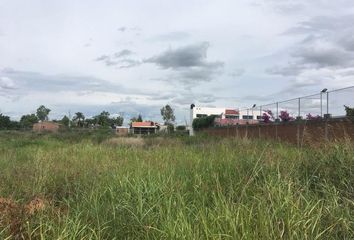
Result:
[316,106]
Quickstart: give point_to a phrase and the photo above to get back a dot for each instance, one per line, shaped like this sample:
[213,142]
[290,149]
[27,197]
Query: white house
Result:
[223,113]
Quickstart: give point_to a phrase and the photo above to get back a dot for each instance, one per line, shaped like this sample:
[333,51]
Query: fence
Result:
[323,104]
[312,118]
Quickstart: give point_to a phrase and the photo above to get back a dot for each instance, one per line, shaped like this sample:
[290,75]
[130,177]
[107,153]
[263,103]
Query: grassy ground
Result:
[89,186]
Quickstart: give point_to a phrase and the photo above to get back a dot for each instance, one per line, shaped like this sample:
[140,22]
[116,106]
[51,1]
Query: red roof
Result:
[231,112]
[144,124]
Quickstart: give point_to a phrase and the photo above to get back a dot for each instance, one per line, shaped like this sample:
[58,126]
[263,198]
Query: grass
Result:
[90,186]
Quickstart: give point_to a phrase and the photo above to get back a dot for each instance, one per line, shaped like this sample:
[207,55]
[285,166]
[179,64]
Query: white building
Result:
[223,113]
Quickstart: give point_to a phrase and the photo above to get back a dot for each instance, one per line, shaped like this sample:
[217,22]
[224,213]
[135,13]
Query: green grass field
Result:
[92,186]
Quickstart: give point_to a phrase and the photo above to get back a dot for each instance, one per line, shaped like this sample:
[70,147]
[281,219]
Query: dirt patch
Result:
[14,215]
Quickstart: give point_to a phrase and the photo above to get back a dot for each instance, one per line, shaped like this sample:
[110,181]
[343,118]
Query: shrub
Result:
[313,117]
[285,116]
[268,116]
[349,111]
[181,128]
[203,122]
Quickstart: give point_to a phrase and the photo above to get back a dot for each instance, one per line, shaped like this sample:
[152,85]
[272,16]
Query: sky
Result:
[133,57]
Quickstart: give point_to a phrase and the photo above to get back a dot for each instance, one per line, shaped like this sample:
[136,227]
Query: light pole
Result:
[322,92]
[254,105]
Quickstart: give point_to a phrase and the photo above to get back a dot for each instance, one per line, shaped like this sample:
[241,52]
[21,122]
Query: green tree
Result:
[103,118]
[168,115]
[42,113]
[118,121]
[28,120]
[203,122]
[79,118]
[139,118]
[65,121]
[349,111]
[5,122]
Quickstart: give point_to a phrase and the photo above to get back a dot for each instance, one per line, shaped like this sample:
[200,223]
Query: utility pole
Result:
[69,119]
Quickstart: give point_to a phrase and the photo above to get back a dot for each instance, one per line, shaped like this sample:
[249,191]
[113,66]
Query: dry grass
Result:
[125,142]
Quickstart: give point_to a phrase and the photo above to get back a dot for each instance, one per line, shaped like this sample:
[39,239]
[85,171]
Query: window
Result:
[247,117]
[232,117]
[259,117]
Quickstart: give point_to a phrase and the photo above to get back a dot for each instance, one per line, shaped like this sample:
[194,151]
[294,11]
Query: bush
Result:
[285,117]
[203,122]
[349,111]
[181,128]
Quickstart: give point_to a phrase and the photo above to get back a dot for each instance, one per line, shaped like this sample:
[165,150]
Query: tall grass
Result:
[56,187]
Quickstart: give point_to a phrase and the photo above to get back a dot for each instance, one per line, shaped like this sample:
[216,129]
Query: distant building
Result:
[224,116]
[147,127]
[46,126]
[122,131]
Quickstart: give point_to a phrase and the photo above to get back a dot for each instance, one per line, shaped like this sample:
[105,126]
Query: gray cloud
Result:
[327,43]
[188,56]
[102,58]
[33,81]
[119,59]
[123,53]
[189,64]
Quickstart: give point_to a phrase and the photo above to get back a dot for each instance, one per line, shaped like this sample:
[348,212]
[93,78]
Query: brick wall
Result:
[297,132]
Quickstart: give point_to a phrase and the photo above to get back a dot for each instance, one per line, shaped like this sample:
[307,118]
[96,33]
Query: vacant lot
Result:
[91,186]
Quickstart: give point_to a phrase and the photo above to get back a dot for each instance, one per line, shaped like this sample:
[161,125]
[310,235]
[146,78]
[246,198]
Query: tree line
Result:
[26,121]
[104,119]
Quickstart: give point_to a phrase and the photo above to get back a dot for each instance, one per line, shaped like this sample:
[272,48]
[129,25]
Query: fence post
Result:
[246,136]
[277,120]
[237,134]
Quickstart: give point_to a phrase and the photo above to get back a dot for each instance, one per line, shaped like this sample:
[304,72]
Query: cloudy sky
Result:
[131,57]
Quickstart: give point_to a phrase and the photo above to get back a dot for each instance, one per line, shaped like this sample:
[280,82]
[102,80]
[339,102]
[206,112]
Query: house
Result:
[46,126]
[224,116]
[122,131]
[147,127]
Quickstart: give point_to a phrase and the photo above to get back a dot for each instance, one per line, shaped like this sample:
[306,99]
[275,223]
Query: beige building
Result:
[46,126]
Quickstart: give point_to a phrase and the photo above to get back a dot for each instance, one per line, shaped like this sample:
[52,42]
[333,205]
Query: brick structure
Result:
[46,126]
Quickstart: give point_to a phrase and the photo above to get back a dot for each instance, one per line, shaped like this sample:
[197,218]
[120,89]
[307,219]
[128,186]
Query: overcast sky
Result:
[131,57]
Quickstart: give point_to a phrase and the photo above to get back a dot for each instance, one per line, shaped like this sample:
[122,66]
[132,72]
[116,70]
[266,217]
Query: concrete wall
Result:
[300,132]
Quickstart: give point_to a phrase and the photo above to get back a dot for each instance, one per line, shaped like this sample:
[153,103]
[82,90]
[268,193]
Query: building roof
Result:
[147,124]
[231,112]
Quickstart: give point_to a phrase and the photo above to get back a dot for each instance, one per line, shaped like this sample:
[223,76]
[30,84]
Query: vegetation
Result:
[203,122]
[42,113]
[93,186]
[349,111]
[168,115]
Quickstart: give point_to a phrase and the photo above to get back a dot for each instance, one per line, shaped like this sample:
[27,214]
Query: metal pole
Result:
[277,111]
[299,107]
[247,115]
[321,103]
[327,103]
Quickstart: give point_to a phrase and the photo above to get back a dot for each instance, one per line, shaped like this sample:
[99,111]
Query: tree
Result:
[65,121]
[167,114]
[28,120]
[103,118]
[285,116]
[349,111]
[203,122]
[118,121]
[79,117]
[42,113]
[5,122]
